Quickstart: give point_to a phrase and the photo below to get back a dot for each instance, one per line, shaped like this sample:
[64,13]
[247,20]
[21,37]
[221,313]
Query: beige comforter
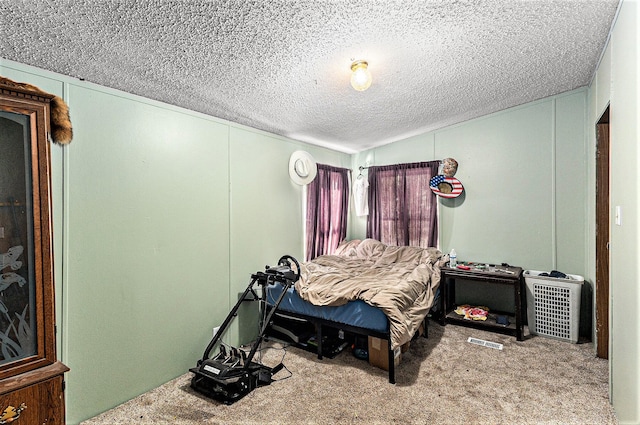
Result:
[401,281]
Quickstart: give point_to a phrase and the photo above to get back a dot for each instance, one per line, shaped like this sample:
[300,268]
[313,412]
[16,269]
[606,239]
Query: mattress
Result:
[355,313]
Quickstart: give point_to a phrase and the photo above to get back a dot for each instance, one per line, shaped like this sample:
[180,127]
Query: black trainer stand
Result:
[231,374]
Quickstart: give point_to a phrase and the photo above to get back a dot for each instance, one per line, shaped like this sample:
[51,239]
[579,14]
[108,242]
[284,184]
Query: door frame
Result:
[603,220]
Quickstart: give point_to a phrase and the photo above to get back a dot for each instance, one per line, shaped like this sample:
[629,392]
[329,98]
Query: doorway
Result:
[602,236]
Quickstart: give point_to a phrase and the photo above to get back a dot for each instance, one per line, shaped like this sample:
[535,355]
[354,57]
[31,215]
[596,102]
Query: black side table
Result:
[508,276]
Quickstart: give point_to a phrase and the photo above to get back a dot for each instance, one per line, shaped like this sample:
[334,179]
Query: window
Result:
[327,206]
[402,208]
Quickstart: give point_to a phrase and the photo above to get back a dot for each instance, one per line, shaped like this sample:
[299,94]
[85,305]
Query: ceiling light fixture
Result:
[361,76]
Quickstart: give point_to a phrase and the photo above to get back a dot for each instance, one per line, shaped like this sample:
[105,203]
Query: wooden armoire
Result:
[31,377]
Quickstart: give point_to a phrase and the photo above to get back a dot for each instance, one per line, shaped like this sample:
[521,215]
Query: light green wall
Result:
[267,206]
[496,158]
[160,217]
[523,170]
[616,83]
[147,253]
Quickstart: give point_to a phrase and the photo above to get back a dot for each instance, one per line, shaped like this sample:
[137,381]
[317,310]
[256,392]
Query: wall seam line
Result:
[554,215]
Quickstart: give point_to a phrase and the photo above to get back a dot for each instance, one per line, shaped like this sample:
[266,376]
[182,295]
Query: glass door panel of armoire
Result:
[27,316]
[18,330]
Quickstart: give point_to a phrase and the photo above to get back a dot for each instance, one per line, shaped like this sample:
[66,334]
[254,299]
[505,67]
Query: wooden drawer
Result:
[44,403]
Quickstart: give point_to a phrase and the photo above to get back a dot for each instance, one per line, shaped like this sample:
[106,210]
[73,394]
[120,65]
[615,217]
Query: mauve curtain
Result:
[327,206]
[402,207]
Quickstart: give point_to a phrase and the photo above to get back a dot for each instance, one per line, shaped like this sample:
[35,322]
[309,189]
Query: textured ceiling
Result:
[284,66]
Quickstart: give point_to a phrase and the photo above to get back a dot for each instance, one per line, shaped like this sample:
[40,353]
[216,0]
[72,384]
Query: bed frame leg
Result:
[426,327]
[392,365]
[319,339]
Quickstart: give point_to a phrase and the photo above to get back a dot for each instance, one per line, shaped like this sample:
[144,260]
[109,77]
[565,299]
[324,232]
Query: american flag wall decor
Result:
[446,187]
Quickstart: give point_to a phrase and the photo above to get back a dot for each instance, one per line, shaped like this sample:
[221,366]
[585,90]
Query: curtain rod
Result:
[362,167]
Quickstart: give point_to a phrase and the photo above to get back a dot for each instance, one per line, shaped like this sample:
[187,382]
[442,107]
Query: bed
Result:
[366,288]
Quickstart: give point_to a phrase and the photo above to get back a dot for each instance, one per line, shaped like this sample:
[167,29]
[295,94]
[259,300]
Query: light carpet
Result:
[441,380]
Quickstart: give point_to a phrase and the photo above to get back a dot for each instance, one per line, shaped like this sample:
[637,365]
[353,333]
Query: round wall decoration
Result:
[446,187]
[302,167]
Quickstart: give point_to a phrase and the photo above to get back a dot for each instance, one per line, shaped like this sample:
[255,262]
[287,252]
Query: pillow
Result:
[347,248]
[370,248]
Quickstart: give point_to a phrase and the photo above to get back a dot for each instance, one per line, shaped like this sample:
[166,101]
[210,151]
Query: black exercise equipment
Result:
[231,374]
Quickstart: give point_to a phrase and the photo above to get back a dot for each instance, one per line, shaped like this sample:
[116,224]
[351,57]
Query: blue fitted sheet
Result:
[355,313]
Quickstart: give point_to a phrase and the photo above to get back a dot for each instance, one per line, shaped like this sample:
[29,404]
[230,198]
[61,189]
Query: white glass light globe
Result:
[361,76]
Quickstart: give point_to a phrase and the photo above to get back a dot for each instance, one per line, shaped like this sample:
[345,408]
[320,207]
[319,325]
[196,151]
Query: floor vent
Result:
[484,343]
